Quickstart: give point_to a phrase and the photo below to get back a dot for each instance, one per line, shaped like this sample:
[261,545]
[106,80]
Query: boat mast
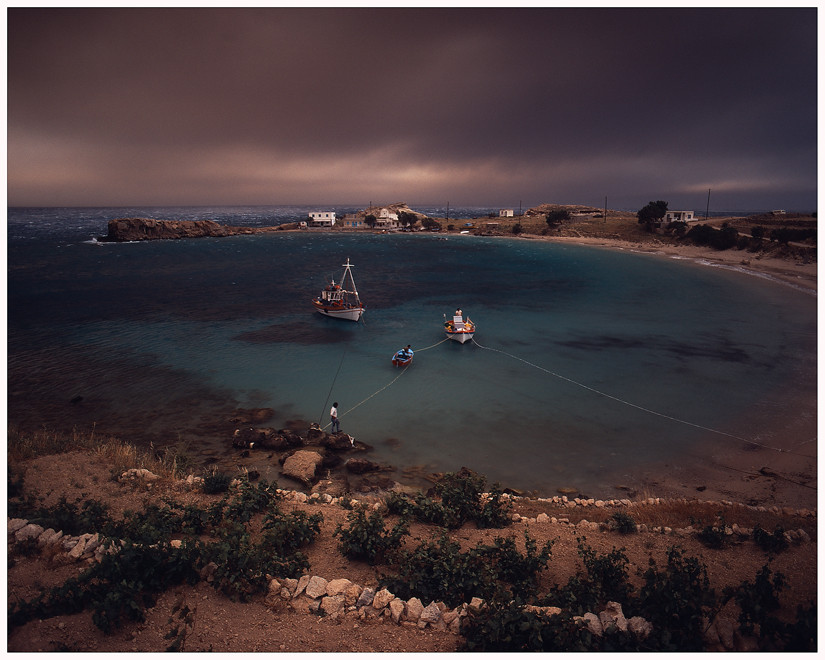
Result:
[347,271]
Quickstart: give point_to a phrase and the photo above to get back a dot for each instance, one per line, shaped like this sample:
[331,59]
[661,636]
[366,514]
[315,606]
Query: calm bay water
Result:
[602,359]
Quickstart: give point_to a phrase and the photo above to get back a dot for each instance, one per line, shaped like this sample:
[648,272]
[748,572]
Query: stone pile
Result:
[76,548]
[341,597]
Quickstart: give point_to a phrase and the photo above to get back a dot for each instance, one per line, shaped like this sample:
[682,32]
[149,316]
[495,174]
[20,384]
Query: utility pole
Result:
[448,212]
[707,209]
[605,209]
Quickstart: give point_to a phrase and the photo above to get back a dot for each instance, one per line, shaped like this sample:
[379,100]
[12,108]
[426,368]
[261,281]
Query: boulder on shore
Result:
[302,465]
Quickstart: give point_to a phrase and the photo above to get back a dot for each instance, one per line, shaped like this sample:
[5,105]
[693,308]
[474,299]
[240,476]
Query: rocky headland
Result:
[123,230]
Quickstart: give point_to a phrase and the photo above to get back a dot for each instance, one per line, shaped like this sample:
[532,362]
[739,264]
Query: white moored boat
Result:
[339,302]
[459,329]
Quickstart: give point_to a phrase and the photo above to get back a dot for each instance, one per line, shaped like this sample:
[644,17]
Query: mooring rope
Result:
[418,350]
[638,407]
[370,396]
[340,364]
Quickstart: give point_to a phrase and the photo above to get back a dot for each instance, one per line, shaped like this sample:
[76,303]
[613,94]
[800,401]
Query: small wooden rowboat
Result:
[403,357]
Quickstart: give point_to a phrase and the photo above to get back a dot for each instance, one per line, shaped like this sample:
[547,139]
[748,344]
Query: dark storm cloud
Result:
[478,106]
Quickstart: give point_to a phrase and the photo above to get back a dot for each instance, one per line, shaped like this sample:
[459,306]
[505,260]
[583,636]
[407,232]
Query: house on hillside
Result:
[679,216]
[505,213]
[321,218]
[386,219]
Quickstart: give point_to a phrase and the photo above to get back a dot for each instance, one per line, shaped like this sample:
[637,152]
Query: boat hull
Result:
[345,313]
[460,337]
[399,360]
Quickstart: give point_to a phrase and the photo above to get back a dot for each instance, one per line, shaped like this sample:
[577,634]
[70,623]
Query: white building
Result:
[679,216]
[386,219]
[321,218]
[505,213]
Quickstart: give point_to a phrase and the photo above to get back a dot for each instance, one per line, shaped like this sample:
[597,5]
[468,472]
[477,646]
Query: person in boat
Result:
[333,416]
[458,312]
[404,353]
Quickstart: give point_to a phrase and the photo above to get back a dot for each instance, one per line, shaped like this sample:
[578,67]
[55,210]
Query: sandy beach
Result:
[799,274]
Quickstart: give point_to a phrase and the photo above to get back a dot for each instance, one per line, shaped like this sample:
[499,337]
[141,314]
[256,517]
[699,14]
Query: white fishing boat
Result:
[338,301]
[459,329]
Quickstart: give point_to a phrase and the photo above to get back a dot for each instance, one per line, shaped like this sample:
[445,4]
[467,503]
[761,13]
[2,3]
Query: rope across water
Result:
[583,386]
[634,405]
[360,403]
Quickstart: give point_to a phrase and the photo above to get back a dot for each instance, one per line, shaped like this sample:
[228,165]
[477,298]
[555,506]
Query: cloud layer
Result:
[474,106]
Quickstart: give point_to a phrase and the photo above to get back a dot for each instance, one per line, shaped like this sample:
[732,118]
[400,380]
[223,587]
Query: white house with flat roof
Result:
[321,218]
[505,213]
[679,216]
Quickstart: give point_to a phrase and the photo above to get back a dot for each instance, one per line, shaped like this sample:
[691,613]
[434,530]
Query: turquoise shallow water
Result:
[588,362]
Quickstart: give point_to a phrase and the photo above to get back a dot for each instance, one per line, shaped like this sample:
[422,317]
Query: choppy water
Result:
[600,356]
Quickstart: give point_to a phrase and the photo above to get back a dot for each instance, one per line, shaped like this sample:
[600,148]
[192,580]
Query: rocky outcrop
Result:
[148,229]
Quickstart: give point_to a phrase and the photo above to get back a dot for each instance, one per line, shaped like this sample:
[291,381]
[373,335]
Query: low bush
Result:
[459,501]
[367,538]
[604,579]
[713,535]
[440,571]
[677,601]
[215,482]
[623,523]
[142,562]
[505,626]
[770,542]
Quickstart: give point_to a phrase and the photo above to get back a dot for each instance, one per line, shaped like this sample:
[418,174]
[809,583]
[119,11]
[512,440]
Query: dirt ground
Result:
[221,625]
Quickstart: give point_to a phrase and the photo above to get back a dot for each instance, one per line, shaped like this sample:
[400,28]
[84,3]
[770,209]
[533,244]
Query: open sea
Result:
[588,364]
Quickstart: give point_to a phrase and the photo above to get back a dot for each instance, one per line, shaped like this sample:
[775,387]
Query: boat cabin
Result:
[332,293]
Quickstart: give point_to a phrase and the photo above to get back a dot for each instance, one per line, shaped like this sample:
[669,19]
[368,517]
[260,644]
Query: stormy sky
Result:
[472,106]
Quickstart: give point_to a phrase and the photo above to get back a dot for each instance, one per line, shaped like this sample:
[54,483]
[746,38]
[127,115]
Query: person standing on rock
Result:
[333,416]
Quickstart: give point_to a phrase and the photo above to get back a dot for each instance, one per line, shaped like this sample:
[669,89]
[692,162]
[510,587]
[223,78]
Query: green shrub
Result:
[64,516]
[367,538]
[251,499]
[712,536]
[676,601]
[624,523]
[143,563]
[215,482]
[440,571]
[460,501]
[504,626]
[494,513]
[285,533]
[520,572]
[604,579]
[772,543]
[757,600]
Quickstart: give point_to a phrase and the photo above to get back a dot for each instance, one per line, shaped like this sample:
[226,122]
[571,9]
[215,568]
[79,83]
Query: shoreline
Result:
[801,276]
[781,470]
